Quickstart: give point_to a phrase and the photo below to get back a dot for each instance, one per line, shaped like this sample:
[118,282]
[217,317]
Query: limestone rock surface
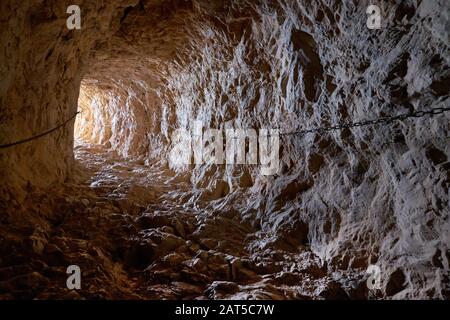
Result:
[143,227]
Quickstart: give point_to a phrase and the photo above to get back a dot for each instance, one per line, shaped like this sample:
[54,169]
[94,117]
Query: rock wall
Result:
[121,116]
[370,195]
[42,65]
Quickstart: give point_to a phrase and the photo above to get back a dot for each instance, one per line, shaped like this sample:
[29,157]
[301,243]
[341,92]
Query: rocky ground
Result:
[343,200]
[136,233]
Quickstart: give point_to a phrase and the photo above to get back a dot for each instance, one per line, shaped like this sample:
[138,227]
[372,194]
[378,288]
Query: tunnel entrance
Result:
[93,124]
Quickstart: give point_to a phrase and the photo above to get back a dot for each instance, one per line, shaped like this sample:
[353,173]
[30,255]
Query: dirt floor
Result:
[139,232]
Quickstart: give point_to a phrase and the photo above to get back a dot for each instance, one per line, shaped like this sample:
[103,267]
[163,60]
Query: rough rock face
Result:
[140,69]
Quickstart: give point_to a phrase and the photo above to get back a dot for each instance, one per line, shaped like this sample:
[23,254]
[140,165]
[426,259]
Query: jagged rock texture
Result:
[344,199]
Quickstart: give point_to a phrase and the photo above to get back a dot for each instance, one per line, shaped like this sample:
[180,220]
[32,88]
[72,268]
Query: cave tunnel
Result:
[86,134]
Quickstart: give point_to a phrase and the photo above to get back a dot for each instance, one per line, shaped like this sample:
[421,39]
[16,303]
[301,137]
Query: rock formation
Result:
[103,193]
